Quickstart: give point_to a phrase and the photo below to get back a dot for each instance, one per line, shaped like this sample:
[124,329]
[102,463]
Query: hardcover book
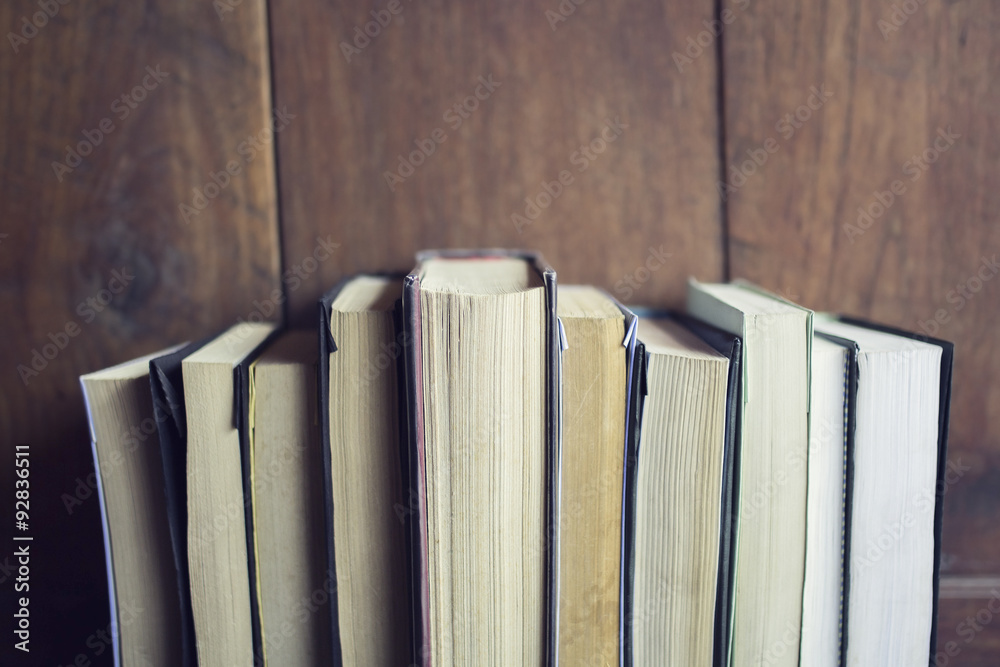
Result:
[482,362]
[682,474]
[362,412]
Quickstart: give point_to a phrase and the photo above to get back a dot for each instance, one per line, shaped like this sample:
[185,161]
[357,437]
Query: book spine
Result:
[328,346]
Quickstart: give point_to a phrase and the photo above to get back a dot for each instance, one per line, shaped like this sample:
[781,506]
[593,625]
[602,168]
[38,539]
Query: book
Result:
[682,493]
[464,472]
[167,388]
[141,574]
[287,503]
[894,491]
[226,621]
[595,393]
[483,381]
[829,458]
[361,402]
[769,543]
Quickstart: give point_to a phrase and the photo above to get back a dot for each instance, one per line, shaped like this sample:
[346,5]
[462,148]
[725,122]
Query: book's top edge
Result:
[884,328]
[331,294]
[823,342]
[834,340]
[604,307]
[531,256]
[718,292]
[233,345]
[131,369]
[872,339]
[545,274]
[368,293]
[297,347]
[671,336]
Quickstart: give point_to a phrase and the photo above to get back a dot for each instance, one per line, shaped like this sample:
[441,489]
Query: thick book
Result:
[282,440]
[682,472]
[770,536]
[131,488]
[900,391]
[362,413]
[482,362]
[597,363]
[220,523]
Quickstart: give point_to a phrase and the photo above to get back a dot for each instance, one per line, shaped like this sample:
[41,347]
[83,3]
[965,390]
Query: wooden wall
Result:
[118,210]
[675,116]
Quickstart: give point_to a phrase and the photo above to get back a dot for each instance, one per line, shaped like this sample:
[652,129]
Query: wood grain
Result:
[346,123]
[118,210]
[559,82]
[968,622]
[892,97]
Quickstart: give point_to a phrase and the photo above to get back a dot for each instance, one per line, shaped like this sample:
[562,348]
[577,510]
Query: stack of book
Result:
[470,465]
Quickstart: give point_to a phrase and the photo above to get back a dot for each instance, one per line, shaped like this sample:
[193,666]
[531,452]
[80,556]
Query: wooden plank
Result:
[557,82]
[915,106]
[968,623]
[68,231]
